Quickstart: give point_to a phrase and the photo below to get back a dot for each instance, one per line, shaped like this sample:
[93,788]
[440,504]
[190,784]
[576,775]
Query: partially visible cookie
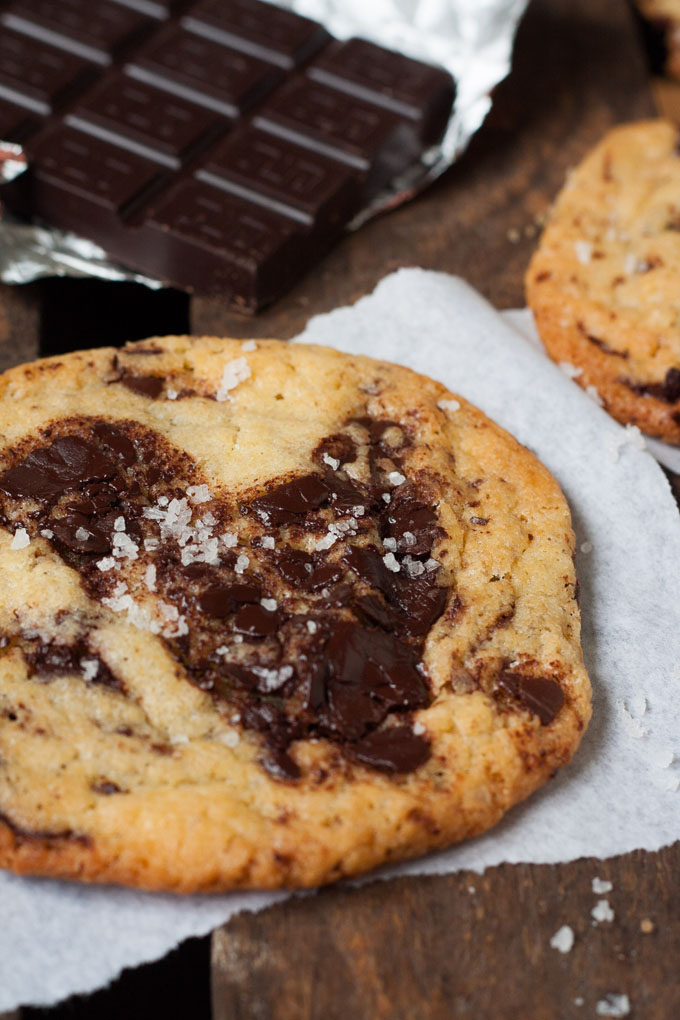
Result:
[269,615]
[661,22]
[604,282]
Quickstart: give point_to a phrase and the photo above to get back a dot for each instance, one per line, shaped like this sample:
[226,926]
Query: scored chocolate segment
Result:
[145,120]
[161,9]
[96,31]
[38,77]
[268,32]
[224,80]
[287,178]
[418,91]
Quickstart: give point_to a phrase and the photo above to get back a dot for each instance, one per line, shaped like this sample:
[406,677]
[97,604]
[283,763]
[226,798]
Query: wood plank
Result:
[578,68]
[463,945]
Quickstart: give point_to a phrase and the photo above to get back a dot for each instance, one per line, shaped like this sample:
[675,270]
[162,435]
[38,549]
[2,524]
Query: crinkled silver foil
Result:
[470,38]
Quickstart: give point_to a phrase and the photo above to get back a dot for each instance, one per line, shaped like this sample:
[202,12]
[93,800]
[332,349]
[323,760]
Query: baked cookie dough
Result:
[270,615]
[603,284]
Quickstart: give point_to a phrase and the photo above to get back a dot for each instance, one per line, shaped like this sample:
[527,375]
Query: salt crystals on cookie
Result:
[21,539]
[235,372]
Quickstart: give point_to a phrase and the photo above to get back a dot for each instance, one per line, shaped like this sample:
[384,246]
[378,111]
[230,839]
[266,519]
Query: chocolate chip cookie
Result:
[270,615]
[603,285]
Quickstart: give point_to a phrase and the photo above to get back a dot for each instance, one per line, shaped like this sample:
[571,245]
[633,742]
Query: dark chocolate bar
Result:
[219,145]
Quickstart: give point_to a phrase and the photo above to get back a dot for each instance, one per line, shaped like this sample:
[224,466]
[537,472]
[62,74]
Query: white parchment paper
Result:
[622,790]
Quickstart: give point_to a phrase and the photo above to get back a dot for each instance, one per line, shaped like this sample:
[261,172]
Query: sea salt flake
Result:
[272,679]
[584,251]
[414,568]
[358,511]
[124,547]
[390,543]
[269,604]
[119,524]
[248,345]
[151,544]
[150,577]
[563,939]
[326,542]
[602,911]
[235,372]
[199,493]
[448,405]
[311,627]
[391,563]
[633,727]
[331,461]
[418,729]
[601,885]
[163,500]
[396,478]
[386,497]
[242,563]
[570,370]
[594,396]
[268,542]
[82,534]
[21,539]
[229,739]
[89,669]
[638,704]
[108,563]
[229,539]
[614,1005]
[171,394]
[47,533]
[409,538]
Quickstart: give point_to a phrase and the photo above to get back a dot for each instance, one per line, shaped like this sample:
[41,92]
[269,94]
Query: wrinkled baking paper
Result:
[621,791]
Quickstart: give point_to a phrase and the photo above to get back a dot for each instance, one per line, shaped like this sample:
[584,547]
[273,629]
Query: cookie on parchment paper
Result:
[603,284]
[270,615]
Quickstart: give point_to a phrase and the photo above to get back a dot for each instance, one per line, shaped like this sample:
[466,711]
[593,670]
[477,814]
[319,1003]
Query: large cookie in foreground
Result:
[270,615]
[603,285]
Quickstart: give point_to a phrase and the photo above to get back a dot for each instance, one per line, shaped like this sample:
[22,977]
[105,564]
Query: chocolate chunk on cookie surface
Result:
[252,632]
[603,283]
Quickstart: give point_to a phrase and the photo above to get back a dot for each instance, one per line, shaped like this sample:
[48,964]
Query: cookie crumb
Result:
[613,1005]
[633,727]
[602,911]
[268,542]
[570,370]
[199,493]
[594,396]
[396,478]
[229,739]
[242,563]
[601,885]
[448,405]
[269,604]
[391,563]
[21,539]
[563,939]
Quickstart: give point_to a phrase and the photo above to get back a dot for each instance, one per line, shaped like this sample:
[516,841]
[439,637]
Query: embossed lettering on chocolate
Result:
[252,631]
[220,145]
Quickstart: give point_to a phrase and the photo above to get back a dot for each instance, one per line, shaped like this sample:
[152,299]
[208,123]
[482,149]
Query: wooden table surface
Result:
[462,945]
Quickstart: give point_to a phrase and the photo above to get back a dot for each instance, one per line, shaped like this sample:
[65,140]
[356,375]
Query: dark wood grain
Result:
[464,945]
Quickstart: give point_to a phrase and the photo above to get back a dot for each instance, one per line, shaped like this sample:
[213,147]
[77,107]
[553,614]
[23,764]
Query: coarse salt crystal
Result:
[150,577]
[326,542]
[601,885]
[171,394]
[119,524]
[311,627]
[570,370]
[108,563]
[229,539]
[235,372]
[614,1005]
[331,461]
[89,668]
[268,542]
[418,729]
[123,546]
[386,497]
[448,405]
[199,493]
[409,538]
[242,563]
[390,543]
[163,500]
[414,568]
[82,534]
[391,563]
[584,251]
[248,345]
[230,739]
[633,727]
[358,511]
[47,533]
[21,539]
[602,911]
[563,939]
[269,604]
[396,478]
[150,544]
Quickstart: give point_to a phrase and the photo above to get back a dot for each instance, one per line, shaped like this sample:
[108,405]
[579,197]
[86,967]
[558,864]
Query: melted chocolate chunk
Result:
[413,524]
[47,659]
[668,390]
[540,695]
[287,502]
[117,441]
[48,836]
[221,600]
[394,750]
[256,621]
[65,464]
[146,385]
[106,787]
[340,447]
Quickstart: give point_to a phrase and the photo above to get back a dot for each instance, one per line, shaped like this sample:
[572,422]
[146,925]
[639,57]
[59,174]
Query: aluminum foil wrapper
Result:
[470,38]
